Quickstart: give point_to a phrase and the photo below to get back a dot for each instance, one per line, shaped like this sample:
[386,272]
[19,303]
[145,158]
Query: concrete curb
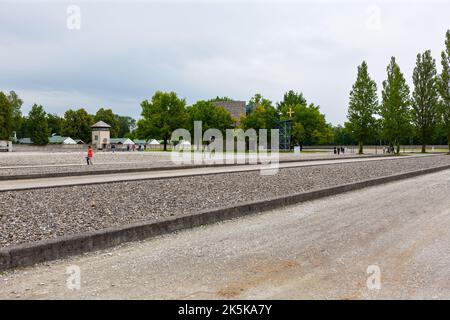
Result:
[32,253]
[178,167]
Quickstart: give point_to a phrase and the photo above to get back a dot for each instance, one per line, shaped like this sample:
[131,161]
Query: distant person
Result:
[339,150]
[89,156]
[342,150]
[335,150]
[113,148]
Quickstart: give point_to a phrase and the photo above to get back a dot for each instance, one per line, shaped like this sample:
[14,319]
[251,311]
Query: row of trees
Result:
[38,125]
[166,112]
[401,115]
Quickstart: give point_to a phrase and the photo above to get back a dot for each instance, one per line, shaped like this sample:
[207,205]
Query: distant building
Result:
[140,141]
[25,141]
[51,140]
[236,108]
[101,135]
[121,141]
[61,140]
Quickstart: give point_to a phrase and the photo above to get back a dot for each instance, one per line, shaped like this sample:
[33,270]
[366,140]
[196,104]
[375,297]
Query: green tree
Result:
[425,98]
[444,87]
[342,136]
[395,106]
[6,117]
[37,125]
[77,124]
[108,116]
[126,125]
[16,103]
[362,106]
[262,116]
[54,123]
[298,133]
[161,116]
[290,99]
[314,127]
[23,131]
[212,117]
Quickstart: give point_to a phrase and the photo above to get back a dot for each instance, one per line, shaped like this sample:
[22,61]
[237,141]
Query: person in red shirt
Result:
[89,156]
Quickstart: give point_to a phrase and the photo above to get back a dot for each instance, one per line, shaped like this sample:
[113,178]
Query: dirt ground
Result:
[394,237]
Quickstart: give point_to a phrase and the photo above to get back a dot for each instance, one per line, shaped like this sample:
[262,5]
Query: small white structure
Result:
[101,135]
[6,145]
[128,142]
[184,143]
[153,142]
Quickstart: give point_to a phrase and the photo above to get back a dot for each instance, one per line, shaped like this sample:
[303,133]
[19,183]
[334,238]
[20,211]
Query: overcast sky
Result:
[124,51]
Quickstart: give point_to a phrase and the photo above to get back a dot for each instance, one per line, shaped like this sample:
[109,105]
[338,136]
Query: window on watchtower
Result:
[96,138]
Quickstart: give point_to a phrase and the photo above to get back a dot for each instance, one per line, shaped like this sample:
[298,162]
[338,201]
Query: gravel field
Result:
[32,215]
[16,164]
[57,158]
[60,158]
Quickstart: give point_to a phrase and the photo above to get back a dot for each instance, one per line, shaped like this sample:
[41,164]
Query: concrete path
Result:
[318,249]
[23,184]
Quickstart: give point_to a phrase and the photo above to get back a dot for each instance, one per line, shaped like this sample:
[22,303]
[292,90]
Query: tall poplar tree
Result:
[6,117]
[444,87]
[425,98]
[395,106]
[362,106]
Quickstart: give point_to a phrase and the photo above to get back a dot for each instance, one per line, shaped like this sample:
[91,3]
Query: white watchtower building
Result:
[101,135]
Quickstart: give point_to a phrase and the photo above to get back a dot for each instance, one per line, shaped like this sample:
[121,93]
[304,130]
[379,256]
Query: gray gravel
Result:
[32,215]
[58,158]
[15,164]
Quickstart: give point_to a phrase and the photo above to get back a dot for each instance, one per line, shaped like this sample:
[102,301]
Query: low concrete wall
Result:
[37,252]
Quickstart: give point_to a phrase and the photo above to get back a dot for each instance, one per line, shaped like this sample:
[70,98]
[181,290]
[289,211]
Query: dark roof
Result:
[101,124]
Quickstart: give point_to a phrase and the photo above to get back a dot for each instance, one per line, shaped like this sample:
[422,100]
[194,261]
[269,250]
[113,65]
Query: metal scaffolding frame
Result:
[285,131]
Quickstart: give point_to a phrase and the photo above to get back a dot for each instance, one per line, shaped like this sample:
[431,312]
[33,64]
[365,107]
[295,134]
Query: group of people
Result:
[339,150]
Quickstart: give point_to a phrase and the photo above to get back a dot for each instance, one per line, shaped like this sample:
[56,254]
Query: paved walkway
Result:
[9,185]
[320,249]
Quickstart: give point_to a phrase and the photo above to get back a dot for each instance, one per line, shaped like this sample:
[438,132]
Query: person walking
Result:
[89,156]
